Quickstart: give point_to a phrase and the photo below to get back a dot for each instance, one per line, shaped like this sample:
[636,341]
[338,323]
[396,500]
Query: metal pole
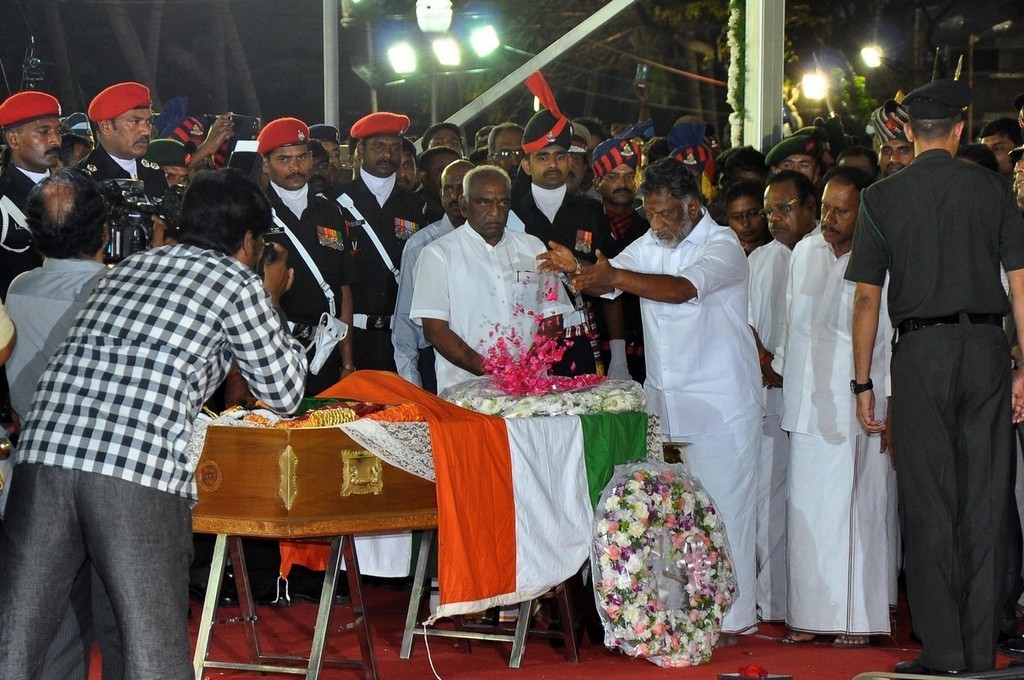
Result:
[369,55]
[433,98]
[556,49]
[332,85]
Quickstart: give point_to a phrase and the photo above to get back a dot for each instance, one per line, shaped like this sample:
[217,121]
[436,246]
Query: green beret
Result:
[794,144]
[168,152]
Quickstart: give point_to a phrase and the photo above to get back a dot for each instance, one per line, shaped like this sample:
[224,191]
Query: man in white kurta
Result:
[475,285]
[838,474]
[769,274]
[702,373]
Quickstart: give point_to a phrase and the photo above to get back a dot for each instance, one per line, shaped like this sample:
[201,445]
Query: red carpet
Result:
[289,629]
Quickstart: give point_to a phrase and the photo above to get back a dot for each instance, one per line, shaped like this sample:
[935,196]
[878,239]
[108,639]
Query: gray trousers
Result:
[139,540]
[954,465]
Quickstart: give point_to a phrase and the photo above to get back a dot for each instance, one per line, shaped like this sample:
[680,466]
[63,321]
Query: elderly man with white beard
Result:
[702,369]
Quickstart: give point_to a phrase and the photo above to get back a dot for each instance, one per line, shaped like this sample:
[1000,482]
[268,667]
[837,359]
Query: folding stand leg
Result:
[210,604]
[419,587]
[246,603]
[323,614]
[567,596]
[355,588]
[522,628]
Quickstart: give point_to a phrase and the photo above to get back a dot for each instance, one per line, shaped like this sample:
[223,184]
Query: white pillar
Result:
[762,95]
[331,81]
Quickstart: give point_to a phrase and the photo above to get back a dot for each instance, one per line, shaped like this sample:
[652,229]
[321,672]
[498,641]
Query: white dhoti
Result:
[838,536]
[773,464]
[725,461]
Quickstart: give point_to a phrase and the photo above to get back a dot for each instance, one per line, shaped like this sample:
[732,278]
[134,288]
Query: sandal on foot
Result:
[845,641]
[796,638]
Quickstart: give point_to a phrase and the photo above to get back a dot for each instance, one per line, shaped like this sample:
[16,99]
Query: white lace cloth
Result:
[403,445]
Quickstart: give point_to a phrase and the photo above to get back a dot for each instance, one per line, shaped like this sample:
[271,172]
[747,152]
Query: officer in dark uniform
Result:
[551,213]
[30,122]
[940,229]
[393,214]
[123,117]
[614,170]
[318,225]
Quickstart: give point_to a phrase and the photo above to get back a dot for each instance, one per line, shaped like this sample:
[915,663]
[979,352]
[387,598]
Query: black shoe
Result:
[306,585]
[915,667]
[1011,645]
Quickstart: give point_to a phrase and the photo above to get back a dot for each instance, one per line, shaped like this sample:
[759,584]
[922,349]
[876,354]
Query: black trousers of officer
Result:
[954,466]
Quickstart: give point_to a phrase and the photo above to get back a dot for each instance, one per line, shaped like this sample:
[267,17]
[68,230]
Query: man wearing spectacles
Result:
[505,148]
[790,205]
[123,118]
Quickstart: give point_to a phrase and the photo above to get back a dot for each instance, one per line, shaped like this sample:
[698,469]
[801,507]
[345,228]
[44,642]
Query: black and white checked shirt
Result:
[154,340]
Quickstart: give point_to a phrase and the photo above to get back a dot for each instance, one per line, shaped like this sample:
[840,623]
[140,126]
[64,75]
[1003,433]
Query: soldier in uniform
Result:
[380,217]
[895,152]
[614,170]
[30,122]
[553,214]
[123,117]
[316,223]
[941,229]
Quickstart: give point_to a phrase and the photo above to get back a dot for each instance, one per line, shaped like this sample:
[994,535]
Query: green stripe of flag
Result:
[610,439]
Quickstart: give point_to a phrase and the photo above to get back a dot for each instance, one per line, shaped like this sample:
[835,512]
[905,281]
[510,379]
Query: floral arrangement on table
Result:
[608,396]
[662,569]
[517,380]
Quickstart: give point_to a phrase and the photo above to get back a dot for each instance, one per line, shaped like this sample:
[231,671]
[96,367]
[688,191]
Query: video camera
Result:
[129,216]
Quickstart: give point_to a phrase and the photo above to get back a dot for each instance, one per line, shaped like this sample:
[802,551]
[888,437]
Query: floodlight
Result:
[447,52]
[484,40]
[815,85]
[402,57]
[872,56]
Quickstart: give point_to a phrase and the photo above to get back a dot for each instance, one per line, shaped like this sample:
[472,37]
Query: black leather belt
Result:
[372,322]
[916,324]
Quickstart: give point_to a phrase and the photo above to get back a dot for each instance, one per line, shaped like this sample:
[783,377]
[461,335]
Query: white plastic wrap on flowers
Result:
[608,396]
[663,575]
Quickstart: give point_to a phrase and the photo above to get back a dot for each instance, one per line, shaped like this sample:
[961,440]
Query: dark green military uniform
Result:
[940,229]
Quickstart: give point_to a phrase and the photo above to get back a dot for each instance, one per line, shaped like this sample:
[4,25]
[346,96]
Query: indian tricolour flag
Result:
[515,497]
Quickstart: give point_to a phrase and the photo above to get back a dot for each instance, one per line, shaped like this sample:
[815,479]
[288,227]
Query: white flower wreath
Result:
[663,571]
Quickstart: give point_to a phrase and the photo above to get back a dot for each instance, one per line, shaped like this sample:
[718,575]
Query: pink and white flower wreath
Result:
[662,569]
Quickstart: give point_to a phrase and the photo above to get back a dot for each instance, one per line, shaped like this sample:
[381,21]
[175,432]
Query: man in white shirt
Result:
[769,272]
[412,351]
[473,281]
[702,376]
[839,477]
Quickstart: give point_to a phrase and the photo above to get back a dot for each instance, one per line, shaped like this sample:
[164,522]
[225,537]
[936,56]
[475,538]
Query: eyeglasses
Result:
[782,208]
[748,216]
[508,153]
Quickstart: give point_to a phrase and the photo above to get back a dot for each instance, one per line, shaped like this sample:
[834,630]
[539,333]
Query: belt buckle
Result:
[378,323]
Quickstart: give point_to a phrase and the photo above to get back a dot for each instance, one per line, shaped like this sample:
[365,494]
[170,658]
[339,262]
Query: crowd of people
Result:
[819,326]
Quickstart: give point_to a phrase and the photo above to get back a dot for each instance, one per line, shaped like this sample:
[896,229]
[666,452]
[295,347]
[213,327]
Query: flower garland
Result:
[737,69]
[610,396]
[663,572]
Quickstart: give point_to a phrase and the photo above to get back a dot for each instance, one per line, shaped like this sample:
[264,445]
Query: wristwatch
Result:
[857,387]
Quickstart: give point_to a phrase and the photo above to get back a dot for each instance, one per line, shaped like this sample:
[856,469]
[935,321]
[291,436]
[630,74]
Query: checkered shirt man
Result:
[153,342]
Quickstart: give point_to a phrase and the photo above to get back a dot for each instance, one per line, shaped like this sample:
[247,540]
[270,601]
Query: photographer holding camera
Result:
[101,472]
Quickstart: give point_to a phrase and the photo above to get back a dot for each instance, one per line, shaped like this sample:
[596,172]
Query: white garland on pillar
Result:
[737,70]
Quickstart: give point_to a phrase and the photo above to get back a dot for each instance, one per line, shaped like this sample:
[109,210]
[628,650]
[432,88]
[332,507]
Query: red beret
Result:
[25,106]
[118,99]
[282,132]
[380,123]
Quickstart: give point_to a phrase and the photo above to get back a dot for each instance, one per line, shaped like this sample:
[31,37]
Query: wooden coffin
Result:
[303,483]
